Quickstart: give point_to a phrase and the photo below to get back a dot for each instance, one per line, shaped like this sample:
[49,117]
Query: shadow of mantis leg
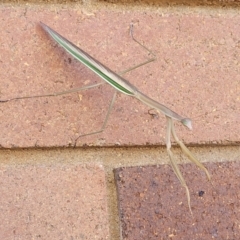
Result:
[173,162]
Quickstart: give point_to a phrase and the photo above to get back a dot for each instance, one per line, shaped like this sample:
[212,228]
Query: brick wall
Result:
[53,190]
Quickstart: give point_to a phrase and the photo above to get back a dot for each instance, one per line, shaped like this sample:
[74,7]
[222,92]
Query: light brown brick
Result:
[53,202]
[196,73]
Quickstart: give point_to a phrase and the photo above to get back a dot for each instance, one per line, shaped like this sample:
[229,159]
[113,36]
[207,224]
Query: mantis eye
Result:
[187,122]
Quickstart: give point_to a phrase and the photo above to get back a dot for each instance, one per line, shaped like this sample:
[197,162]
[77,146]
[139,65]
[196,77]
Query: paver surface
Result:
[153,205]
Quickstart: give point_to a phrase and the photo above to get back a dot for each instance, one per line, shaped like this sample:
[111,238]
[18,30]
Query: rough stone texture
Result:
[196,74]
[153,205]
[53,202]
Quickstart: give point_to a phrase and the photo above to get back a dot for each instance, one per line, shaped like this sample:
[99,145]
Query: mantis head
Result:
[187,122]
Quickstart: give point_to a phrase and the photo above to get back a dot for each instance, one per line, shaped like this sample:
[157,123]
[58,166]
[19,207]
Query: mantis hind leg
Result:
[104,123]
[56,93]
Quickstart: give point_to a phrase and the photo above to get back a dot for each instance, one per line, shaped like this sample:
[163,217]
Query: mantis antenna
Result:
[123,86]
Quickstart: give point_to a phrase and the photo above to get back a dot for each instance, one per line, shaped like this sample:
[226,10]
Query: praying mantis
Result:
[123,86]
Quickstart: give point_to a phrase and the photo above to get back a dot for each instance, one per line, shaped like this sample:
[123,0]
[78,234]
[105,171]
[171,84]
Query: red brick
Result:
[53,202]
[196,74]
[152,204]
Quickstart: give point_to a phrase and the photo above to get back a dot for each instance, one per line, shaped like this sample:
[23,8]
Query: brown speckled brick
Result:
[53,202]
[153,205]
[196,73]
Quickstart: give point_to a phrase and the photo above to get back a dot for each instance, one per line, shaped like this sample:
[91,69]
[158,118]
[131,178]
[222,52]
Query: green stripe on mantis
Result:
[87,60]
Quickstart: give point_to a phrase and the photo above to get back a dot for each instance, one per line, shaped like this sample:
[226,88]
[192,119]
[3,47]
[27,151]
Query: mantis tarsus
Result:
[127,88]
